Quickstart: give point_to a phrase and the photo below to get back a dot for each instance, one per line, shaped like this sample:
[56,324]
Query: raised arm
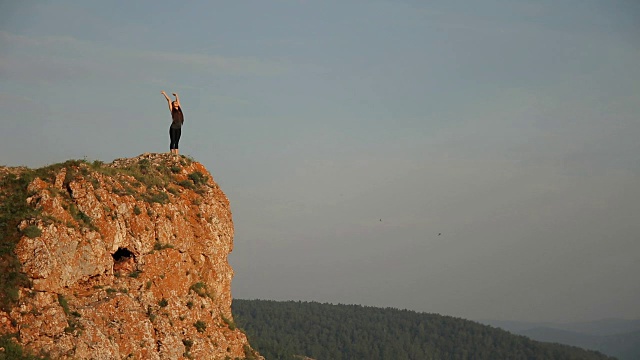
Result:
[168,100]
[177,99]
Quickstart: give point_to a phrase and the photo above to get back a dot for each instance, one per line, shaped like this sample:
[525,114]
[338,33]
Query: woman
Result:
[176,125]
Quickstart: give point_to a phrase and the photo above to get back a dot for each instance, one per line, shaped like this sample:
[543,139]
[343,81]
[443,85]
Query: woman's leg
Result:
[173,142]
[178,132]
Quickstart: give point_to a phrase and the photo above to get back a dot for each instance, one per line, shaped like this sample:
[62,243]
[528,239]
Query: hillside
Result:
[113,261]
[283,330]
[615,337]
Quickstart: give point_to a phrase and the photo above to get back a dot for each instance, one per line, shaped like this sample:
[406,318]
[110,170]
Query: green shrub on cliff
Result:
[32,231]
[202,290]
[198,178]
[200,325]
[14,351]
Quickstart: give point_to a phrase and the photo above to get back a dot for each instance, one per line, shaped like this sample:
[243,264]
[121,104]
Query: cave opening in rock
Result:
[123,254]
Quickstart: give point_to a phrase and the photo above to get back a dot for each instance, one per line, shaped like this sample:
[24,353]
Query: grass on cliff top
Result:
[14,207]
[157,178]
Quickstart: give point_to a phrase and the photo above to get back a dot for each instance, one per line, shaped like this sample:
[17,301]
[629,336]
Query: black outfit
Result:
[174,136]
[176,127]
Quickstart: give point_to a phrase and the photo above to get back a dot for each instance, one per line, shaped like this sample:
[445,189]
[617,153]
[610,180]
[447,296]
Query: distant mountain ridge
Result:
[614,337]
[603,327]
[286,329]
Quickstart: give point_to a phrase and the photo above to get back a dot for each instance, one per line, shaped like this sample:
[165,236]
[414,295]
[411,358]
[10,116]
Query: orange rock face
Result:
[129,260]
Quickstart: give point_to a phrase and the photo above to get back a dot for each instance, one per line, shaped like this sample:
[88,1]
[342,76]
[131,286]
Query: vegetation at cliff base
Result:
[11,350]
[288,330]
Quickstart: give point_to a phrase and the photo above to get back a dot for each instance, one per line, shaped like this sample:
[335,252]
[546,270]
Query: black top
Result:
[178,118]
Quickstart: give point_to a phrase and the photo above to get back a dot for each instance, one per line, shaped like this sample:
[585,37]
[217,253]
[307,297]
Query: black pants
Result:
[174,135]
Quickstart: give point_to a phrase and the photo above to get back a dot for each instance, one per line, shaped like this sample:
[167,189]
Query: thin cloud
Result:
[10,99]
[51,58]
[214,64]
[31,41]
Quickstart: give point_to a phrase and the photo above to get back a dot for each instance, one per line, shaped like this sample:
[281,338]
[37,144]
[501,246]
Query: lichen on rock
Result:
[109,261]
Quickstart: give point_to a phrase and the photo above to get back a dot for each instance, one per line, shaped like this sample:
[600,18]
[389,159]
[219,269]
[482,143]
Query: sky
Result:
[478,159]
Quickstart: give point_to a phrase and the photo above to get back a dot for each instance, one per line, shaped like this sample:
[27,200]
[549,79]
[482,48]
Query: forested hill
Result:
[280,330]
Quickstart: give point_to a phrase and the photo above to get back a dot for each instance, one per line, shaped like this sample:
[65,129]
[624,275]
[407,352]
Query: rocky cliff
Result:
[114,261]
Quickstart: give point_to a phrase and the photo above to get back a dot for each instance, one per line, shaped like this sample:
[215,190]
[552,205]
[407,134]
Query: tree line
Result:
[286,330]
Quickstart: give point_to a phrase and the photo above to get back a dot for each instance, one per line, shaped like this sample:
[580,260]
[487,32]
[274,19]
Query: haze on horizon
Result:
[348,135]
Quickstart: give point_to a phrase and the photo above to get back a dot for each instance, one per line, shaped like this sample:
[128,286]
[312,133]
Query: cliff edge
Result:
[120,260]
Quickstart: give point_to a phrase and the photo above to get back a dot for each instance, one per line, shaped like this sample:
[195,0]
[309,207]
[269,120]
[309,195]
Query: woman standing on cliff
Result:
[177,117]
